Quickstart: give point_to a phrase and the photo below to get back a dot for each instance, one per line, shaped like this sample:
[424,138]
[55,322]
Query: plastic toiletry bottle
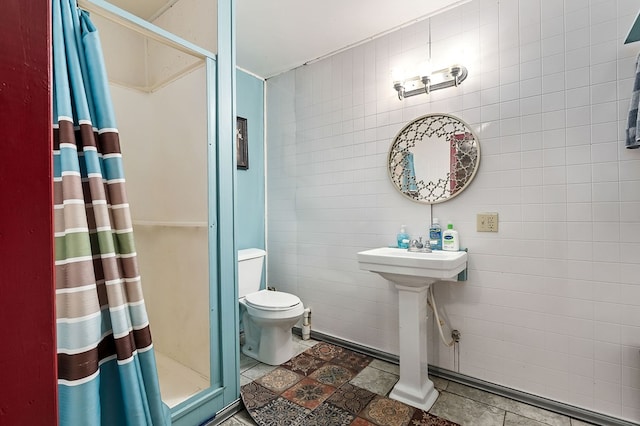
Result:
[435,235]
[450,240]
[403,238]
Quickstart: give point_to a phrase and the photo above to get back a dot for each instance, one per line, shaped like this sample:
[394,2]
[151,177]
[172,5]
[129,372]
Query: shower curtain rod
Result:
[141,26]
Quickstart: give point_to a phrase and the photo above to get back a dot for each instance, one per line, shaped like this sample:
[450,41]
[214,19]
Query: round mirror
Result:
[433,158]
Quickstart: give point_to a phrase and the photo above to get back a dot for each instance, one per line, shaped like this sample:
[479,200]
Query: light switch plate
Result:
[487,222]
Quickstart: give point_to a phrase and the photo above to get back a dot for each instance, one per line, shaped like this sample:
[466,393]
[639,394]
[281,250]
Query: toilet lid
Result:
[272,300]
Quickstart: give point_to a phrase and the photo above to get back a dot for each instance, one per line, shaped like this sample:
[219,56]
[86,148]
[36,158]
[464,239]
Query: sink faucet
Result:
[417,245]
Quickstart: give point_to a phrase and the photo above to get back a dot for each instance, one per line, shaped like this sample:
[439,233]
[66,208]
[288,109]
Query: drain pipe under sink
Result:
[306,324]
[431,301]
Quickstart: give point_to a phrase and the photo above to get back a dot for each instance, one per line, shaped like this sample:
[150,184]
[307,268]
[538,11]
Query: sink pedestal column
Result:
[414,387]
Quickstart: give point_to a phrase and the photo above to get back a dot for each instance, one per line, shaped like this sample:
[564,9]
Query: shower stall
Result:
[164,155]
[179,168]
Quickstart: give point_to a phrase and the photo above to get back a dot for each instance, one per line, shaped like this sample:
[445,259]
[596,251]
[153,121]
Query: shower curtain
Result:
[106,364]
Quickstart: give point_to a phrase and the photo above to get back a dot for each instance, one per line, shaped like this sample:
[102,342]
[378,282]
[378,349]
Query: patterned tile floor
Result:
[458,403]
[317,388]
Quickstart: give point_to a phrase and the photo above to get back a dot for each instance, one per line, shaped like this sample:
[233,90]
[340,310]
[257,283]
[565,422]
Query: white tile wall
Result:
[552,304]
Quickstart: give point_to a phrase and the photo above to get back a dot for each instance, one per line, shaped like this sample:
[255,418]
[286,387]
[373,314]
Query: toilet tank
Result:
[250,263]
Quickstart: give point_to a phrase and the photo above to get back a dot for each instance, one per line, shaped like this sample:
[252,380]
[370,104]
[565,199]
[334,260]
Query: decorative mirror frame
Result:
[444,126]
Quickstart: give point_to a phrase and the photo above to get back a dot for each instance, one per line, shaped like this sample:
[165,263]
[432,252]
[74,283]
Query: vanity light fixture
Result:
[428,82]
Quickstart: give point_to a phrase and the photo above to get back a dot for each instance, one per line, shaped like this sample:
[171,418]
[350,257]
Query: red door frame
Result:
[28,390]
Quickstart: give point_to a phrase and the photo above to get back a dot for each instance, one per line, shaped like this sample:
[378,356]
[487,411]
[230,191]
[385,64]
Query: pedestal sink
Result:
[412,273]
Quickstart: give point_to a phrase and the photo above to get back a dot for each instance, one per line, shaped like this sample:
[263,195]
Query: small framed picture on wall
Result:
[242,144]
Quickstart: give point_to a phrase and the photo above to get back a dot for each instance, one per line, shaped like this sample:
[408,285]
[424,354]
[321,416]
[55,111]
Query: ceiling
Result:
[274,36]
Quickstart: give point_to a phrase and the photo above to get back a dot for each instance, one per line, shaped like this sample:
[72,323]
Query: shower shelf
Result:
[169,224]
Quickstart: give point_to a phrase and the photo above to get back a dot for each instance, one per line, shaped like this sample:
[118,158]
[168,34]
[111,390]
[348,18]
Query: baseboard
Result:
[527,398]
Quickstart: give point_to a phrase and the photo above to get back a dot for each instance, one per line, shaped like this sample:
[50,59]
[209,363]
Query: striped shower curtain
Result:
[106,365]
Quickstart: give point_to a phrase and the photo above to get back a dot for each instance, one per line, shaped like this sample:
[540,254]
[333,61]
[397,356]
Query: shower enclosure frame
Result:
[221,165]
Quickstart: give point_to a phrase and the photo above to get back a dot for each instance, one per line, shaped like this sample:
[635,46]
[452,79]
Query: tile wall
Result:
[552,304]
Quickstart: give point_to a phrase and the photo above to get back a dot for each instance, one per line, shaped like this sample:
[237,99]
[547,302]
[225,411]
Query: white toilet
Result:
[268,315]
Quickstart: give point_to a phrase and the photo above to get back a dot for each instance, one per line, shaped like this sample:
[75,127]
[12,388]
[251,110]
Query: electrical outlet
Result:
[487,222]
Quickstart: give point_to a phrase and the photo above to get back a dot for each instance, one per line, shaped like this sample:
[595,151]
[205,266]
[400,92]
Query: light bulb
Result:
[397,75]
[424,68]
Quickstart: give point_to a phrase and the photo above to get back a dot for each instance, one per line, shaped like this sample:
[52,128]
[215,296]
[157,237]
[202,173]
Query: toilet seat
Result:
[267,300]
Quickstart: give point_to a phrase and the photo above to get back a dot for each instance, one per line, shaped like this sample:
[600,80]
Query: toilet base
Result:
[270,344]
[271,359]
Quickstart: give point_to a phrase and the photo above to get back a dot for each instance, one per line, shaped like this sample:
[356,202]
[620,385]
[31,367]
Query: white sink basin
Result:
[413,268]
[412,273]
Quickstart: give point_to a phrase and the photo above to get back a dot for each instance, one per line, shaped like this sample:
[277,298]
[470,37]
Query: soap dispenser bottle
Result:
[450,239]
[403,238]
[435,235]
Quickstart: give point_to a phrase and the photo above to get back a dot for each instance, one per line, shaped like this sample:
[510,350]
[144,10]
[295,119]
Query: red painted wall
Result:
[27,321]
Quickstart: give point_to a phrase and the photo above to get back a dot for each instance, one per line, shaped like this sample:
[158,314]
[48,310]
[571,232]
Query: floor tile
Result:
[258,371]
[346,405]
[327,397]
[324,351]
[440,383]
[512,419]
[255,395]
[385,366]
[352,360]
[374,380]
[280,412]
[510,405]
[332,374]
[308,343]
[241,418]
[244,380]
[299,347]
[351,398]
[328,414]
[303,364]
[361,422]
[233,421]
[308,393]
[246,362]
[387,412]
[466,411]
[244,416]
[422,418]
[279,380]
